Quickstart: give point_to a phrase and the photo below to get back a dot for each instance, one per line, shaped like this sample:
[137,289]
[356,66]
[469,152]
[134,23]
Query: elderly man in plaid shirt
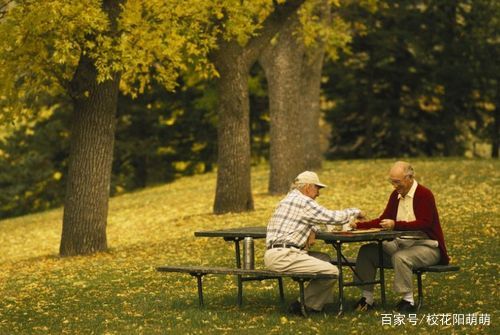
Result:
[292,229]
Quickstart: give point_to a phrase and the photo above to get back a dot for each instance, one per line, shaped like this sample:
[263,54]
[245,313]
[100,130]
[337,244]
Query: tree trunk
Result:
[282,63]
[91,156]
[234,192]
[233,62]
[294,80]
[495,133]
[312,69]
[311,90]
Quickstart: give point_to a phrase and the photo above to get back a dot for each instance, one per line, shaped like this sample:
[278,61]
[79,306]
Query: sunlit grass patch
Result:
[119,292]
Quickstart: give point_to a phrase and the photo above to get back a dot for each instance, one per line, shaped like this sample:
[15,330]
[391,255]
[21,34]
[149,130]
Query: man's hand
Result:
[388,224]
[310,240]
[361,216]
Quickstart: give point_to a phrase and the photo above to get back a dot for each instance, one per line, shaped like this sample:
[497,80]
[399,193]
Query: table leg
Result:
[302,297]
[237,249]
[282,291]
[200,289]
[238,277]
[381,270]
[338,246]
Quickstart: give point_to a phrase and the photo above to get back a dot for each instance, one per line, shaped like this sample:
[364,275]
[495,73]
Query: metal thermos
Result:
[248,253]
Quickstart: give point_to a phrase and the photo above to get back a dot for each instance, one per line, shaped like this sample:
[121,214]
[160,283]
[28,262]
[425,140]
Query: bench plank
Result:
[243,272]
[200,271]
[300,277]
[438,268]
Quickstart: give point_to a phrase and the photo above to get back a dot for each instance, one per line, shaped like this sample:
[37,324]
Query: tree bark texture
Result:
[495,134]
[311,90]
[234,192]
[91,156]
[233,62]
[282,63]
[312,69]
[294,79]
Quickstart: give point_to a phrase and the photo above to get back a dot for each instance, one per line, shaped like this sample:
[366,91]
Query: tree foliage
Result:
[152,41]
[420,77]
[42,41]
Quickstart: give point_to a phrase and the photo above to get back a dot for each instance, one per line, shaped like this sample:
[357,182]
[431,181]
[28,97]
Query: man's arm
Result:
[389,213]
[310,240]
[318,214]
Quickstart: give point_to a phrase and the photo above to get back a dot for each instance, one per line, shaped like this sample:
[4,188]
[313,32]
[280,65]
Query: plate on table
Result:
[370,230]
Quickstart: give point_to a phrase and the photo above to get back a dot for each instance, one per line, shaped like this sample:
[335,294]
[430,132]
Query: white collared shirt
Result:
[406,213]
[405,206]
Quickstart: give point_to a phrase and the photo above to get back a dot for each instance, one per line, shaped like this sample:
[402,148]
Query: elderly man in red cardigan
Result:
[411,206]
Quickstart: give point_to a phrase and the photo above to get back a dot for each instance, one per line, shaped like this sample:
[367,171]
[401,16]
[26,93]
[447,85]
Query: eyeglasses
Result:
[397,182]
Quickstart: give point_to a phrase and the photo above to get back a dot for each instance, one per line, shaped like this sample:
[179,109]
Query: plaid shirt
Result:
[297,215]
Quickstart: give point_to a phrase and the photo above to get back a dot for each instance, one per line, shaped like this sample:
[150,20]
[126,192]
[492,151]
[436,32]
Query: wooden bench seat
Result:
[200,271]
[438,268]
[433,268]
[300,278]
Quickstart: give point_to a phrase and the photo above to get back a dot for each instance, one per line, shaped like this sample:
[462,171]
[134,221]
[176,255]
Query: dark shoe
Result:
[362,305]
[295,308]
[405,307]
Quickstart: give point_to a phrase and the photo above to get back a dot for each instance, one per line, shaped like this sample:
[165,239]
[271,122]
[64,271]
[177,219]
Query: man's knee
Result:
[333,270]
[368,250]
[320,255]
[401,259]
[328,268]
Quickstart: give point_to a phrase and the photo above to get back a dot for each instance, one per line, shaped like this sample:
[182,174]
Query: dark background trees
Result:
[410,84]
[420,78]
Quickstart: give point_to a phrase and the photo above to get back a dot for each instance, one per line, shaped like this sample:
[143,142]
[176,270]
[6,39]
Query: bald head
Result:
[401,177]
[402,169]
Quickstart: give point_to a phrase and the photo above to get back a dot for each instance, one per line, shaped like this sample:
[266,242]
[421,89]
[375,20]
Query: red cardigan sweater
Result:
[426,214]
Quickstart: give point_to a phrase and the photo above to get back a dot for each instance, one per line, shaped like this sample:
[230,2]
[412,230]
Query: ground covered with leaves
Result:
[119,292]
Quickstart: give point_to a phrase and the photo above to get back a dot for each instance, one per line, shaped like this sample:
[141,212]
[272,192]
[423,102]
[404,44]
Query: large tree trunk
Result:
[495,132]
[233,62]
[234,192]
[312,69]
[294,79]
[91,156]
[282,63]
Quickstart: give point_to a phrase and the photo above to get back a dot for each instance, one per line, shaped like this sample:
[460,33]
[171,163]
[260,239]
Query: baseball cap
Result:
[309,177]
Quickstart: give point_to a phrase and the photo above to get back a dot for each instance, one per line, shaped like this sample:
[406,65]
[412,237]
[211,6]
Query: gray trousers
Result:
[403,259]
[319,291]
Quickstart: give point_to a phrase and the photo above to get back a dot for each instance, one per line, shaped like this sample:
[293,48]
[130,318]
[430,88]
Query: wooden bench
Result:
[433,268]
[351,262]
[200,271]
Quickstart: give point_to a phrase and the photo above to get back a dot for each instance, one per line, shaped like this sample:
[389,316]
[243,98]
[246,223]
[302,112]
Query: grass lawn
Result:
[119,292]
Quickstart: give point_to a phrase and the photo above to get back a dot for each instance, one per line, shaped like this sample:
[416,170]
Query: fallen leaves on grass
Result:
[120,292]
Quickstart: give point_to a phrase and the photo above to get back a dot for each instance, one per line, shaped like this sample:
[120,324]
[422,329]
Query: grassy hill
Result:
[119,292]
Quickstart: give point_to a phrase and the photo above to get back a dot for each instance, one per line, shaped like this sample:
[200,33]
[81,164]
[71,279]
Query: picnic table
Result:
[336,239]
